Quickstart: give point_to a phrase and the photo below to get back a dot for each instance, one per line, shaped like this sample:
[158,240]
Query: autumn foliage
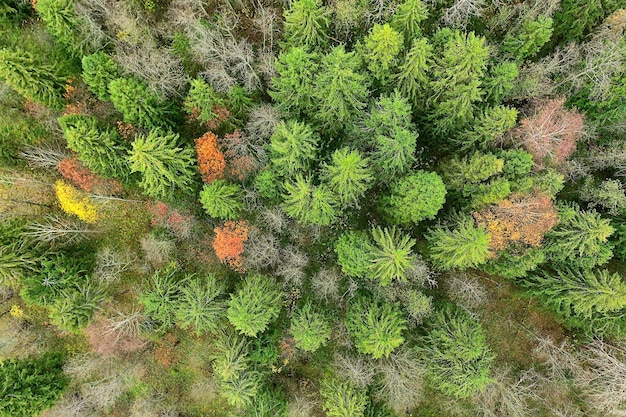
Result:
[551,133]
[229,243]
[211,161]
[178,223]
[523,219]
[239,154]
[79,175]
[74,201]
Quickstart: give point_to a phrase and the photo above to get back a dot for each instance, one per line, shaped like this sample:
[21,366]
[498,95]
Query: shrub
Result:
[376,327]
[257,302]
[309,328]
[222,200]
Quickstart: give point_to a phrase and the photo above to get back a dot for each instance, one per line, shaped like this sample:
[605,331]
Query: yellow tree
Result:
[74,201]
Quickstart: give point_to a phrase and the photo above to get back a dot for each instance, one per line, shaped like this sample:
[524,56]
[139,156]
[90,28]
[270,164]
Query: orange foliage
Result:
[166,352]
[178,223]
[551,133]
[211,162]
[241,162]
[229,243]
[81,176]
[523,219]
[126,130]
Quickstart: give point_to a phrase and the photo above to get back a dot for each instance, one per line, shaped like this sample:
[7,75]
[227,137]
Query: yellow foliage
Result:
[74,201]
[16,311]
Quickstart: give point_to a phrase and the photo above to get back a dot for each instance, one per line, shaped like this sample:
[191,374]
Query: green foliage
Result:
[391,255]
[517,163]
[464,246]
[576,18]
[163,165]
[308,203]
[199,306]
[230,356]
[74,309]
[161,297]
[593,301]
[267,184]
[418,305]
[31,385]
[239,102]
[489,126]
[292,89]
[456,353]
[580,239]
[201,101]
[293,147]
[257,302]
[139,105]
[310,329]
[222,200]
[348,176]
[340,90]
[58,17]
[414,198]
[307,24]
[407,18]
[341,399]
[353,250]
[533,35]
[241,392]
[38,82]
[100,149]
[608,195]
[99,70]
[413,75]
[380,51]
[515,262]
[375,326]
[268,403]
[500,81]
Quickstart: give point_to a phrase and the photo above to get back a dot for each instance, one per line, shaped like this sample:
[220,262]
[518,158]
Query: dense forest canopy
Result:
[342,208]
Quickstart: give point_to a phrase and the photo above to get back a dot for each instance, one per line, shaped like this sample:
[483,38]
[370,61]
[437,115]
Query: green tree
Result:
[456,353]
[576,18]
[310,329]
[100,149]
[257,302]
[533,35]
[380,51]
[199,306]
[414,198]
[609,195]
[499,81]
[99,70]
[31,385]
[241,392]
[74,309]
[515,262]
[413,75]
[391,255]
[307,24]
[35,81]
[490,125]
[593,301]
[580,239]
[292,89]
[161,296]
[353,250]
[202,101]
[375,327]
[293,147]
[340,90]
[138,104]
[407,18]
[308,203]
[230,355]
[58,17]
[342,399]
[222,200]
[163,165]
[464,246]
[348,176]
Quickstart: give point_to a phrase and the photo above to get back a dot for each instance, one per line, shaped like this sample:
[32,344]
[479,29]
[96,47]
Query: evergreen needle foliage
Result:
[253,307]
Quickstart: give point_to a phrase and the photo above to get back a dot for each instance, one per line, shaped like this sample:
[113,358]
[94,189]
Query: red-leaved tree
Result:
[211,161]
[550,133]
[79,175]
[229,243]
[164,216]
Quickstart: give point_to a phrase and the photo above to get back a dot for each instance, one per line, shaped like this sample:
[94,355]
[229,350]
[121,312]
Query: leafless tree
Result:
[459,14]
[300,407]
[110,264]
[325,284]
[156,251]
[45,156]
[262,250]
[508,396]
[291,266]
[274,219]
[357,369]
[55,229]
[262,121]
[419,273]
[401,382]
[466,290]
[558,358]
[127,324]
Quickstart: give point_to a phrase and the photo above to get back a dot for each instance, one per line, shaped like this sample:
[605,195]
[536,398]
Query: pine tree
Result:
[99,70]
[414,198]
[414,73]
[222,200]
[292,89]
[342,399]
[407,18]
[307,24]
[293,147]
[308,203]
[464,246]
[348,176]
[310,329]
[340,89]
[162,164]
[376,327]
[256,303]
[138,104]
[37,82]
[31,385]
[456,353]
[380,51]
[199,307]
[391,255]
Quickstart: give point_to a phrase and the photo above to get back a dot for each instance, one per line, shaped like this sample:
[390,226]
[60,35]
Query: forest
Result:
[309,208]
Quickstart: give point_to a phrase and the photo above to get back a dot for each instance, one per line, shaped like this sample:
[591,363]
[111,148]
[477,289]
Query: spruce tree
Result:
[292,89]
[463,246]
[308,203]
[341,399]
[348,176]
[255,304]
[414,198]
[413,75]
[293,147]
[407,18]
[99,70]
[310,329]
[222,200]
[391,255]
[533,35]
[199,307]
[139,105]
[307,24]
[380,51]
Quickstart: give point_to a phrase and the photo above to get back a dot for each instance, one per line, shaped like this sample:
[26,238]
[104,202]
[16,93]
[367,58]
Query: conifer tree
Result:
[414,198]
[310,329]
[199,307]
[222,200]
[491,124]
[407,18]
[99,70]
[353,250]
[257,302]
[576,18]
[533,35]
[464,246]
[341,399]
[308,203]
[293,147]
[162,164]
[59,19]
[161,297]
[37,82]
[138,104]
[413,75]
[499,81]
[391,255]
[348,176]
[380,51]
[203,103]
[307,24]
[340,90]
[292,89]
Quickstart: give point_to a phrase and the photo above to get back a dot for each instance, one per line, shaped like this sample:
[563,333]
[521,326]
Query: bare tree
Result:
[459,14]
[274,219]
[466,290]
[55,229]
[262,250]
[419,273]
[291,266]
[508,396]
[127,324]
[357,369]
[45,156]
[156,251]
[325,284]
[110,264]
[300,407]
[262,122]
[401,383]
